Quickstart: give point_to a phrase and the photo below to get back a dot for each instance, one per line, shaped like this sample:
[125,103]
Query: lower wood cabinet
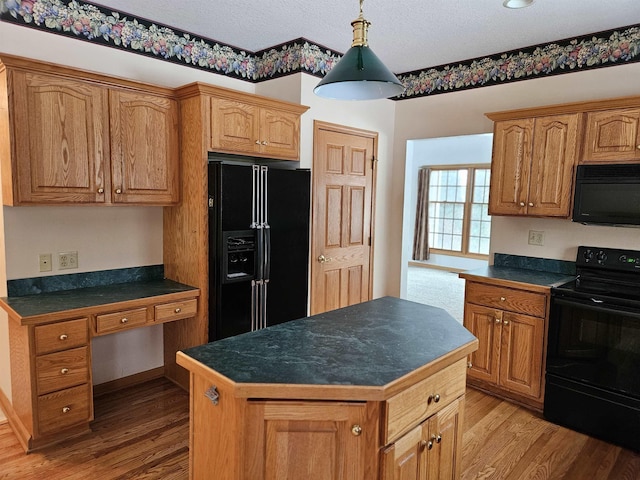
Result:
[431,451]
[509,324]
[414,434]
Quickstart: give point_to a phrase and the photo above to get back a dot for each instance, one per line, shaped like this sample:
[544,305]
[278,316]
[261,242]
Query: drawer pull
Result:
[435,398]
[66,409]
[356,430]
[178,310]
[64,371]
[124,320]
[63,337]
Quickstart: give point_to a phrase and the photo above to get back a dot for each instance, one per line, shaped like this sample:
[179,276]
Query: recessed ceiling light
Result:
[517,3]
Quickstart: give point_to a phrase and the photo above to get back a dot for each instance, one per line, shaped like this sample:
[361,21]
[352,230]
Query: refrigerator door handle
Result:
[254,289]
[266,253]
[264,304]
[255,195]
[265,195]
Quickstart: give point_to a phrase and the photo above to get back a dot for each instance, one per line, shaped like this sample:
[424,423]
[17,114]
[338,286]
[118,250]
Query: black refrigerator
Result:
[258,245]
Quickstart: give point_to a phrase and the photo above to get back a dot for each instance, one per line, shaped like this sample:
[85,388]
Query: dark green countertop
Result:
[520,275]
[64,300]
[368,344]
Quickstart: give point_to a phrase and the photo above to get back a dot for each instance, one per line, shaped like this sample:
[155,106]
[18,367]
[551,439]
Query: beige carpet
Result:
[438,288]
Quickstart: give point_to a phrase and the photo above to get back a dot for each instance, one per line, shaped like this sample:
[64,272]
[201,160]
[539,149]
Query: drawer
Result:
[417,403]
[510,299]
[112,322]
[60,370]
[61,336]
[176,310]
[63,409]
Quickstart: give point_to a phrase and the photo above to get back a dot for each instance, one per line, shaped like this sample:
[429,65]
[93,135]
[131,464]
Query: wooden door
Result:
[485,325]
[510,167]
[445,433]
[612,136]
[555,147]
[280,134]
[318,440]
[402,460]
[521,354]
[343,192]
[61,130]
[144,148]
[234,126]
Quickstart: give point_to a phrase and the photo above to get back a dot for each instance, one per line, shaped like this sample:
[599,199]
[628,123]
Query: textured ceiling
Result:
[408,35]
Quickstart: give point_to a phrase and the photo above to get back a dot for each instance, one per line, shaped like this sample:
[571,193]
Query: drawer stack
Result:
[63,375]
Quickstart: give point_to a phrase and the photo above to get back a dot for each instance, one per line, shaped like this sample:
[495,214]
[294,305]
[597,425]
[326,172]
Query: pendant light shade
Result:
[359,74]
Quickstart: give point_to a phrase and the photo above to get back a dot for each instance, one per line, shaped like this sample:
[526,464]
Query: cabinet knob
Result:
[66,409]
[257,142]
[502,299]
[498,320]
[424,444]
[356,430]
[101,190]
[437,438]
[435,398]
[522,204]
[177,310]
[469,364]
[638,147]
[118,191]
[531,204]
[64,371]
[63,337]
[265,143]
[506,322]
[124,320]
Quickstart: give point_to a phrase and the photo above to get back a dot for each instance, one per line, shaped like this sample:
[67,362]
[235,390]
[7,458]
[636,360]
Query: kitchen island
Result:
[370,391]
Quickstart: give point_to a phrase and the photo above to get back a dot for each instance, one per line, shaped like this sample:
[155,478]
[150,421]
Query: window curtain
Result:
[421,229]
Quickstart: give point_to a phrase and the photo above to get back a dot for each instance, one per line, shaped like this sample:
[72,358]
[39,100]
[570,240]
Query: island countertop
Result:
[366,351]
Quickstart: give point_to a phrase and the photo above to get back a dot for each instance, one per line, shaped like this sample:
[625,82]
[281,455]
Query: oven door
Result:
[596,343]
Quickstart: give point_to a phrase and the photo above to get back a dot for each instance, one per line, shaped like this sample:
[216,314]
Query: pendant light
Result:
[359,74]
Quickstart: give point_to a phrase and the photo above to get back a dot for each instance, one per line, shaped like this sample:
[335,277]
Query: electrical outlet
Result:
[45,262]
[536,238]
[67,260]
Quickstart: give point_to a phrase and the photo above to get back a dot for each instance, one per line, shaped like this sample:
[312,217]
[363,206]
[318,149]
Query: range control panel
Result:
[609,258]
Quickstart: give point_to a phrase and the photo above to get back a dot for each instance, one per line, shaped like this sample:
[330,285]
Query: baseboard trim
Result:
[128,381]
[413,263]
[24,437]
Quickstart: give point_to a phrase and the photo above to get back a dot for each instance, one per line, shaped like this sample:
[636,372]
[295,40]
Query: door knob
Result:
[323,259]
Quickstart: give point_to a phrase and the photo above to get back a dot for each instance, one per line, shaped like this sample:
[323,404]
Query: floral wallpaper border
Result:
[89,22]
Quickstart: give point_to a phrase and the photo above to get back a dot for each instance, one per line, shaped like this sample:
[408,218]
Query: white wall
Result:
[455,150]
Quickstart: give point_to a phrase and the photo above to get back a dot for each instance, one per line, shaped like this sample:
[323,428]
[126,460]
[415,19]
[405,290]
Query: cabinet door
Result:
[280,134]
[402,461]
[445,435]
[235,127]
[510,167]
[318,440]
[144,148]
[554,156]
[60,131]
[521,354]
[485,324]
[612,136]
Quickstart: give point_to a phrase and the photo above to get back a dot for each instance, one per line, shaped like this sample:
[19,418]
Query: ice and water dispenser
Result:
[239,255]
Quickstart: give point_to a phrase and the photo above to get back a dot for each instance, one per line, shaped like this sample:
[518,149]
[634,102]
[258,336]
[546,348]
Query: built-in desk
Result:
[50,349]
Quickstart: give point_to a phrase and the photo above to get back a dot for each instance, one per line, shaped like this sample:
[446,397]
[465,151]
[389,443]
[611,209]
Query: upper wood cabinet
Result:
[532,166]
[255,126]
[75,137]
[612,136]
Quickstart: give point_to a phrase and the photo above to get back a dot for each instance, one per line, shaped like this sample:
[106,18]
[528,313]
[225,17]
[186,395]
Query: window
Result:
[459,221]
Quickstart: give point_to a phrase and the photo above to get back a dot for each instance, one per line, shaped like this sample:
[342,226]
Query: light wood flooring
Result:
[142,433]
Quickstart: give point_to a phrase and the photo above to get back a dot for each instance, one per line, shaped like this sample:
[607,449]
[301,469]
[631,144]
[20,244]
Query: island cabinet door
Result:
[485,324]
[310,440]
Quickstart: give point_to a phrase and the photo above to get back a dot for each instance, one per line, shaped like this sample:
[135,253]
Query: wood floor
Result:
[142,433]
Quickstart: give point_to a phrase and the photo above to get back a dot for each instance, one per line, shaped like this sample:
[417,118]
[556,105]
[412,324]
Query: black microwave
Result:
[607,194]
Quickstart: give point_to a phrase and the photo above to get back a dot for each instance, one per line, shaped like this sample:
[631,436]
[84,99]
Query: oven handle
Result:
[595,305]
